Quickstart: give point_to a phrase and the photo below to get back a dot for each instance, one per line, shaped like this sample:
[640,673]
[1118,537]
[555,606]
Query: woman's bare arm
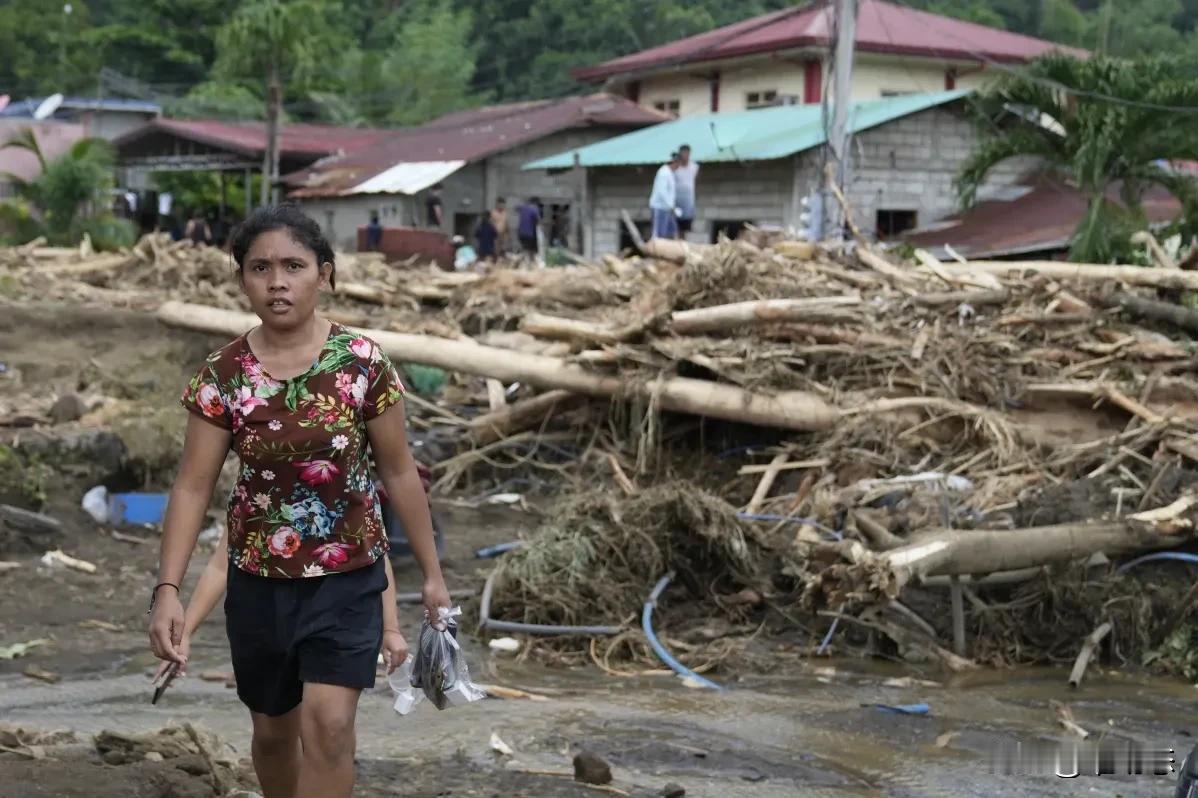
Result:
[204,451]
[397,469]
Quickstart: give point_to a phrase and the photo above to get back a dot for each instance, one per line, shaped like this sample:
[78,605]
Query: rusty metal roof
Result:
[881,28]
[467,136]
[249,138]
[1039,216]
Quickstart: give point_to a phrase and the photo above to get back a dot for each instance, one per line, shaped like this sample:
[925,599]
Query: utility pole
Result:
[840,133]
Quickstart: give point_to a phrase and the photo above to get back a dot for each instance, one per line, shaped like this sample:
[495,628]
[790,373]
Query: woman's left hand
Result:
[435,595]
[395,650]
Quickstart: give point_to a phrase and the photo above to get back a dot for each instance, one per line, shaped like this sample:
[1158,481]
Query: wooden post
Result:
[958,605]
[580,190]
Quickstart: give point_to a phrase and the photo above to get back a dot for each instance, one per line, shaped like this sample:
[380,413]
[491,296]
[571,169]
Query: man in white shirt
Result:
[662,201]
[684,178]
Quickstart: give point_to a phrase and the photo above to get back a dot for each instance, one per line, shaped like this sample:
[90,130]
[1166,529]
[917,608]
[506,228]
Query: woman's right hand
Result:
[166,627]
[184,649]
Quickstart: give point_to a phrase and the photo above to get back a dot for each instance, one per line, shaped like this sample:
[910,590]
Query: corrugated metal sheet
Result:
[881,28]
[759,135]
[467,136]
[249,138]
[1043,217]
[408,178]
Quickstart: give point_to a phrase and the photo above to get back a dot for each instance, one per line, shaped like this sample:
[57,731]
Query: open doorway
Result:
[728,227]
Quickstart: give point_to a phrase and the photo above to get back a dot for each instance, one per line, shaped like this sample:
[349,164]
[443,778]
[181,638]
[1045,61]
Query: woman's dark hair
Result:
[302,229]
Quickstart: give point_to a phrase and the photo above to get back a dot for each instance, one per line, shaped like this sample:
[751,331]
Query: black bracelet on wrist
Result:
[154,593]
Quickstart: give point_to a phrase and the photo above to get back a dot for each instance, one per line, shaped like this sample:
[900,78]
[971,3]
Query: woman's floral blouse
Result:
[304,504]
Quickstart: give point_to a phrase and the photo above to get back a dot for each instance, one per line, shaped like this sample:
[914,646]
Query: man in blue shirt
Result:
[529,221]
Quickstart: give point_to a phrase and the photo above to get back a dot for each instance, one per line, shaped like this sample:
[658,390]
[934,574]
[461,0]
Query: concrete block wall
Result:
[505,178]
[911,163]
[757,192]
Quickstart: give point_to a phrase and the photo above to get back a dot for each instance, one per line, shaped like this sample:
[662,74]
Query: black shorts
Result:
[529,244]
[684,225]
[285,632]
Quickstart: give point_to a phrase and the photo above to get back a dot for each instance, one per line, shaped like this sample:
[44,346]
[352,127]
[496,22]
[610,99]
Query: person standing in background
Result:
[486,235]
[374,233]
[499,221]
[663,200]
[684,179]
[434,210]
[528,224]
[197,230]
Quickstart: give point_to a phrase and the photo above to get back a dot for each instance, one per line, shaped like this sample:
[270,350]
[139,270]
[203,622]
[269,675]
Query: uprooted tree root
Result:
[1152,614]
[595,560]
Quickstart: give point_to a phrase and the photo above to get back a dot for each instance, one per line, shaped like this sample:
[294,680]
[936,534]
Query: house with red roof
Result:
[476,156]
[782,58]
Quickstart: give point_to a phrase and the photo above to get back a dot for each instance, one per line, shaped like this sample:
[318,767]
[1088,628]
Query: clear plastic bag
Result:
[438,668]
[406,698]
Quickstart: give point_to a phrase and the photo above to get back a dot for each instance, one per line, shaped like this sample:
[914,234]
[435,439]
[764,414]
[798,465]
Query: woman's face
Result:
[282,279]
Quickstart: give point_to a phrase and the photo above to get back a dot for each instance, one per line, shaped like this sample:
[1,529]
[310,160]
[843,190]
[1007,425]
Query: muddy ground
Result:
[806,729]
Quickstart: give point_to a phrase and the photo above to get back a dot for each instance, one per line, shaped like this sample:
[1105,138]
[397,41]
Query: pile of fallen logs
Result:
[912,407]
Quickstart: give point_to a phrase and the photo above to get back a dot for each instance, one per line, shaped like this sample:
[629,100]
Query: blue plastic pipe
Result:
[1182,556]
[658,648]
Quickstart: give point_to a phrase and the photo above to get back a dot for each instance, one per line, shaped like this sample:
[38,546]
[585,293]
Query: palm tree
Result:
[1101,123]
[276,39]
[65,186]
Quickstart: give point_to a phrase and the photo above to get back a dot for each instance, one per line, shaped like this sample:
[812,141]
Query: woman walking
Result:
[309,603]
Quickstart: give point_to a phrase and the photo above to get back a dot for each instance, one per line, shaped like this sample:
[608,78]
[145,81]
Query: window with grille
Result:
[761,99]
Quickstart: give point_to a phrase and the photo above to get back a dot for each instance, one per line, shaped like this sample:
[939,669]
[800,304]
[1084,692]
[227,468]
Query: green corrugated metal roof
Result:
[759,135]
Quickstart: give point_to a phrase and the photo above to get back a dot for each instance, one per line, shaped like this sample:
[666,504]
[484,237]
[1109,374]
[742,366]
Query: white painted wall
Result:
[340,217]
[873,75]
[780,76]
[693,94]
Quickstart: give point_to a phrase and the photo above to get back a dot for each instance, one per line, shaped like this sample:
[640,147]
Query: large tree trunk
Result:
[949,552]
[764,311]
[270,158]
[785,410]
[695,322]
[1093,272]
[1177,315]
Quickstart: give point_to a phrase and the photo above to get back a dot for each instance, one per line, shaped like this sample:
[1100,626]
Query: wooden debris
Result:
[41,674]
[1155,310]
[1065,718]
[1081,272]
[58,558]
[1087,651]
[28,521]
[522,415]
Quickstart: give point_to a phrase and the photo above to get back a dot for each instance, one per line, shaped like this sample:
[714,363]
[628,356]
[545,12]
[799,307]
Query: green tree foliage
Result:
[528,47]
[40,51]
[68,197]
[430,65]
[171,43]
[1101,124]
[281,42]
